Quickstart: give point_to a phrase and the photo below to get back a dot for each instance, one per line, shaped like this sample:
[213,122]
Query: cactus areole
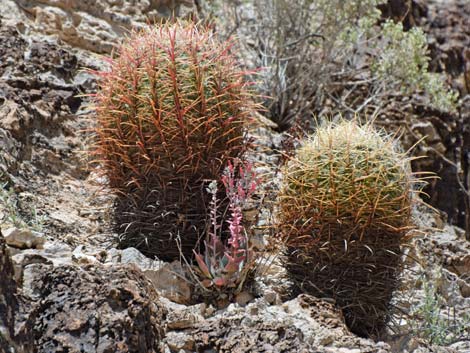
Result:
[171,112]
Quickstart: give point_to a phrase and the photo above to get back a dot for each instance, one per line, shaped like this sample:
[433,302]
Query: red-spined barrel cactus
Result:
[344,214]
[171,112]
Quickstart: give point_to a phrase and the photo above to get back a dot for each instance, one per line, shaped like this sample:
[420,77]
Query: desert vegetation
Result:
[171,115]
[344,216]
[257,175]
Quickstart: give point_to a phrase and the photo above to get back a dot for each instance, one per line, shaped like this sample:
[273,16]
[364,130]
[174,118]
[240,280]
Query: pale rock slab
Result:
[170,281]
[23,238]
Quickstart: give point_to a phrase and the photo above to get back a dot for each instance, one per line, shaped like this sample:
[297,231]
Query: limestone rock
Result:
[30,266]
[58,253]
[183,317]
[80,255]
[95,309]
[132,255]
[304,324]
[31,275]
[10,341]
[179,341]
[243,298]
[92,25]
[53,253]
[24,259]
[170,281]
[24,238]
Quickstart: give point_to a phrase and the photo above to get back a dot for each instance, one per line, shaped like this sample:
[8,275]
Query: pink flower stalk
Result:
[227,265]
[239,190]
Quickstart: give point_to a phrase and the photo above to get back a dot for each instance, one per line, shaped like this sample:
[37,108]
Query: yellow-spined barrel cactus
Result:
[344,213]
[171,111]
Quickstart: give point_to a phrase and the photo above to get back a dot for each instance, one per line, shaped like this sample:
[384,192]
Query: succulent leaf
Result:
[202,265]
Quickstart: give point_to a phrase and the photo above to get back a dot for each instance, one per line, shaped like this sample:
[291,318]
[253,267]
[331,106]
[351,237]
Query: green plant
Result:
[403,61]
[344,212]
[10,211]
[224,268]
[302,46]
[436,324]
[323,57]
[171,113]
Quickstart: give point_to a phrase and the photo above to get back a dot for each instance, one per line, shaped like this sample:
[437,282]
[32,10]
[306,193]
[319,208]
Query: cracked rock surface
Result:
[95,309]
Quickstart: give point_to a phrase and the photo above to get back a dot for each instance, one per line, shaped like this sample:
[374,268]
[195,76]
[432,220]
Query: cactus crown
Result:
[171,112]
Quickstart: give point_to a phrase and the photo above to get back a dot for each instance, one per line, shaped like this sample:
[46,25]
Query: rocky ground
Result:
[65,288]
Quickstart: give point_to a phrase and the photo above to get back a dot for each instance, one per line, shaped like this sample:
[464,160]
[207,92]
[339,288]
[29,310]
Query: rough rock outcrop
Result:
[8,304]
[95,309]
[10,341]
[42,130]
[93,25]
[304,324]
[39,87]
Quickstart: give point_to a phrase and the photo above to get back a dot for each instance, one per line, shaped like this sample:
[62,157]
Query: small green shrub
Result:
[403,62]
[435,324]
